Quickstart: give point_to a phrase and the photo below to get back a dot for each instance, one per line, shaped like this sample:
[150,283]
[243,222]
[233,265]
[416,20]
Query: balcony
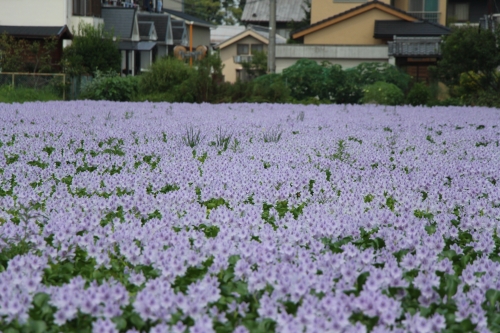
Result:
[428,16]
[238,59]
[415,47]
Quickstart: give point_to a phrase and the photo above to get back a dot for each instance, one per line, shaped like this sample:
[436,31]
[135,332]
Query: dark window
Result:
[87,8]
[242,49]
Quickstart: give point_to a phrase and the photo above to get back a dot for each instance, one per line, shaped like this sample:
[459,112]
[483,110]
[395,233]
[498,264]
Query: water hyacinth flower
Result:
[351,214]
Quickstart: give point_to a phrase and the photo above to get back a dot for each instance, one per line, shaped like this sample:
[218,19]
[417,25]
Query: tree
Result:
[257,66]
[473,53]
[216,11]
[92,49]
[305,22]
[20,55]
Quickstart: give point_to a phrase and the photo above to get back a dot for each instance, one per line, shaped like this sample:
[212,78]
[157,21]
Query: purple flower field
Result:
[123,217]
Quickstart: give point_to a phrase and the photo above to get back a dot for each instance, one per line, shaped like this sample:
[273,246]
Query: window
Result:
[257,48]
[87,8]
[242,49]
[458,11]
[425,9]
[424,6]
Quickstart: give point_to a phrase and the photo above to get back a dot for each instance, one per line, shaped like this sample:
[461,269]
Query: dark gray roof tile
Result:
[387,29]
[36,32]
[119,20]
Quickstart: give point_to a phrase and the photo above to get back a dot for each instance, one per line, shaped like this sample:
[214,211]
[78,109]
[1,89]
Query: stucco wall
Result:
[34,12]
[322,9]
[357,30]
[226,55]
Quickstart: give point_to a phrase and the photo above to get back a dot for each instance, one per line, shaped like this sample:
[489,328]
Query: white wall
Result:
[34,12]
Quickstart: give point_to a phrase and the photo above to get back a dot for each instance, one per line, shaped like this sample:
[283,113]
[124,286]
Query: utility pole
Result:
[271,48]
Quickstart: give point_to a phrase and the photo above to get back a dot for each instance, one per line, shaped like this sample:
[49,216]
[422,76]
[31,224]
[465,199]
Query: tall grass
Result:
[21,95]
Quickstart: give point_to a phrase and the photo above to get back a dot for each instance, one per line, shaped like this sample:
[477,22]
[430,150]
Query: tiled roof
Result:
[161,24]
[286,11]
[36,32]
[119,20]
[146,28]
[387,29]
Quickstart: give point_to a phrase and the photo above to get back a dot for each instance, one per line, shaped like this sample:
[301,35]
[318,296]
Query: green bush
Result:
[92,49]
[164,75]
[383,93]
[111,87]
[269,88]
[368,73]
[419,94]
[307,79]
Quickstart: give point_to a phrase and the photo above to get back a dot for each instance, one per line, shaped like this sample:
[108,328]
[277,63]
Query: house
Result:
[239,48]
[137,39]
[200,28]
[411,31]
[462,11]
[161,25]
[256,13]
[40,34]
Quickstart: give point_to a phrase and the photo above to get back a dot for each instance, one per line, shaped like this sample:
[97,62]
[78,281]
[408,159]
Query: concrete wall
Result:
[344,55]
[357,30]
[322,9]
[227,53]
[34,12]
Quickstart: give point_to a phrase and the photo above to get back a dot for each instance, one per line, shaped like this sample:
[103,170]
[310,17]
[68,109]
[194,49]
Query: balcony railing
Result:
[428,16]
[415,47]
[238,59]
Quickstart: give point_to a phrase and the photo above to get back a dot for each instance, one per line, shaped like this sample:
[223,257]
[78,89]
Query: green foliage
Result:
[368,73]
[419,94]
[307,79]
[165,75]
[20,55]
[473,51]
[258,66]
[383,93]
[111,87]
[226,12]
[269,88]
[305,22]
[21,95]
[92,49]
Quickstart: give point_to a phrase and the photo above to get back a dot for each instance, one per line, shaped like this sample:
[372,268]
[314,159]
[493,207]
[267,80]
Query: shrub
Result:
[269,88]
[304,78]
[368,73]
[307,79]
[383,93]
[419,94]
[92,49]
[164,75]
[110,87]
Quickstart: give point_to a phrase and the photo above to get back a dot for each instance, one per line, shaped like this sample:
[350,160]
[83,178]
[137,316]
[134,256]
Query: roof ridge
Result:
[366,4]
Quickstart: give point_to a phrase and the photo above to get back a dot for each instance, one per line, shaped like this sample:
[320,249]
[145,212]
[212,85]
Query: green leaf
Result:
[37,326]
